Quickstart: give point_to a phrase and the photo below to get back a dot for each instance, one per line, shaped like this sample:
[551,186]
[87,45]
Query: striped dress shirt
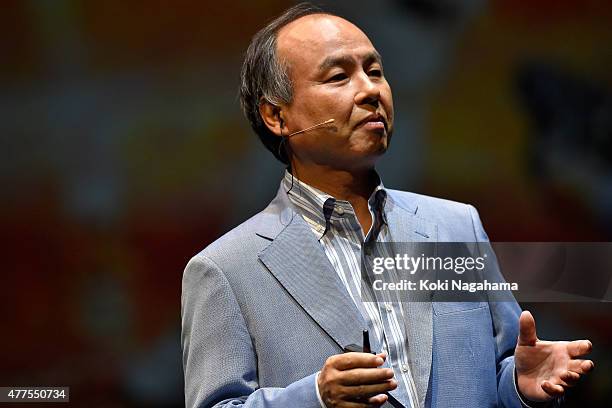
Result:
[335,225]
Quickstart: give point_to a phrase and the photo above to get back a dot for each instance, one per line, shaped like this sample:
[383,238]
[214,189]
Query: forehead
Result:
[308,40]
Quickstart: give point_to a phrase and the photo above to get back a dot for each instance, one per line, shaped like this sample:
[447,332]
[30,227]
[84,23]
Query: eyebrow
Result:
[335,61]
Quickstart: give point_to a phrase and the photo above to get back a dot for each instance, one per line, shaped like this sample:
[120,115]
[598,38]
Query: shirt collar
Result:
[310,202]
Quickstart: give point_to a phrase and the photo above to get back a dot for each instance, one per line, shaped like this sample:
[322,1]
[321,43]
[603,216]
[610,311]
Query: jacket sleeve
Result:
[505,317]
[219,361]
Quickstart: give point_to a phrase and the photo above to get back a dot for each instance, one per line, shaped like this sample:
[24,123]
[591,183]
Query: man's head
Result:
[306,67]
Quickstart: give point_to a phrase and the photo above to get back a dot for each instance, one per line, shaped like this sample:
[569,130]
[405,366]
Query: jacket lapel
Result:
[299,263]
[405,226]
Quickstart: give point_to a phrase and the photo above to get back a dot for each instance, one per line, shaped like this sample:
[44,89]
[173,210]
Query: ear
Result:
[272,117]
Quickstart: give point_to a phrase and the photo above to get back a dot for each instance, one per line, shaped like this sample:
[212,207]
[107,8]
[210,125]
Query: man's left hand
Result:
[546,368]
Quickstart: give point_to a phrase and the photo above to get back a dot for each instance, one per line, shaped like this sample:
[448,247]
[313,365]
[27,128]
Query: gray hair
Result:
[265,77]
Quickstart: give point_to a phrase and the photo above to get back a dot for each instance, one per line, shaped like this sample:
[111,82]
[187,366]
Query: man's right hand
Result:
[354,380]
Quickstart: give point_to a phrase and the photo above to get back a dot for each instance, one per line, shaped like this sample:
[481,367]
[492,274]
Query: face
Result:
[336,74]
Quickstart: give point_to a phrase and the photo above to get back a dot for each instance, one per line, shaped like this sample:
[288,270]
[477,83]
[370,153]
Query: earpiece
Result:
[281,122]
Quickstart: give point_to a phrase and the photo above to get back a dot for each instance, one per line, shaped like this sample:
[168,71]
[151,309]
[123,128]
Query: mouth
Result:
[374,121]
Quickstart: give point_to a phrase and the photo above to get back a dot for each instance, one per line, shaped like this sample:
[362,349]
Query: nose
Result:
[368,92]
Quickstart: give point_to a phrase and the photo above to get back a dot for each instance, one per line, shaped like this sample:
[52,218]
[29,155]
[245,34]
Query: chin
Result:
[377,149]
[367,159]
[372,144]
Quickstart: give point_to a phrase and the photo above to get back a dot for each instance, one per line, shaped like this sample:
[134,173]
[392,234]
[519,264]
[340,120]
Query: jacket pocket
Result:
[441,308]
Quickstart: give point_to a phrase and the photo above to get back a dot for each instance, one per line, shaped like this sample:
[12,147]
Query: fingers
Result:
[368,404]
[527,330]
[348,361]
[349,404]
[554,390]
[378,400]
[365,391]
[580,366]
[569,378]
[355,380]
[359,376]
[579,348]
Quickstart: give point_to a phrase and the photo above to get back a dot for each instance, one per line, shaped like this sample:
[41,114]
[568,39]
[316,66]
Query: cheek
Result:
[314,109]
[336,106]
[387,99]
[331,100]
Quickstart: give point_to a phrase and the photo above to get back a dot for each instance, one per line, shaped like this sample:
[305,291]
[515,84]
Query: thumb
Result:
[527,330]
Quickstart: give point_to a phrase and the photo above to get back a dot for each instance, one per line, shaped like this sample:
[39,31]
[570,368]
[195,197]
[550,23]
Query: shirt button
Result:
[340,210]
[388,307]
[404,368]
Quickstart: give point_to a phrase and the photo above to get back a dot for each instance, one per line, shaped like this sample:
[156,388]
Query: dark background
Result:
[124,153]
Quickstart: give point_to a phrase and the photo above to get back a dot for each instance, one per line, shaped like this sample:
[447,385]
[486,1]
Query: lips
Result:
[374,122]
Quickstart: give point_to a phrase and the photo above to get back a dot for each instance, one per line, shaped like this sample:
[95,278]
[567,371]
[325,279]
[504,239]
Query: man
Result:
[269,308]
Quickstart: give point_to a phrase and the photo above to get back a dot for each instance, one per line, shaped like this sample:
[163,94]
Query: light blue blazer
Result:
[263,308]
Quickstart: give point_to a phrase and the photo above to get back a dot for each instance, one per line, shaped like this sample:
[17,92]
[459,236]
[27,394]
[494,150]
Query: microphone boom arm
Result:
[312,127]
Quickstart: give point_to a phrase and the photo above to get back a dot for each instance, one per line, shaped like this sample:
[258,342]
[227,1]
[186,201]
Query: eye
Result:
[375,72]
[338,77]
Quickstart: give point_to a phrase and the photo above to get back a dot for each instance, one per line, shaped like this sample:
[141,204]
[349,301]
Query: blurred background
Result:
[124,149]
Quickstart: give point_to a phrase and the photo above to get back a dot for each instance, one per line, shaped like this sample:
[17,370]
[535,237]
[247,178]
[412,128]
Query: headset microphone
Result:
[312,127]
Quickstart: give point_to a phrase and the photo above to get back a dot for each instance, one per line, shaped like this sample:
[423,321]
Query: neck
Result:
[352,186]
